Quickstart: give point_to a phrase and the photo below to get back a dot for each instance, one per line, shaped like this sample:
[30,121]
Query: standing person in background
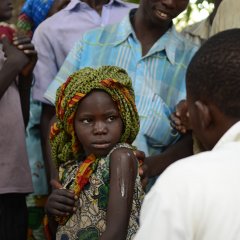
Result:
[199,32]
[196,195]
[17,60]
[156,56]
[54,39]
[32,14]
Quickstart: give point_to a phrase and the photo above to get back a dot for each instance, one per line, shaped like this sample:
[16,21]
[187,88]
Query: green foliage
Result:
[198,4]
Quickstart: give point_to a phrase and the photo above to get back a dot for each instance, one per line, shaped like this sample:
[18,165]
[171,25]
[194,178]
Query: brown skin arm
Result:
[47,118]
[155,165]
[123,172]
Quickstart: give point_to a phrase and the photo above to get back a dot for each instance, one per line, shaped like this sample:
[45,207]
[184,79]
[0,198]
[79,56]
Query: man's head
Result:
[161,12]
[6,8]
[213,87]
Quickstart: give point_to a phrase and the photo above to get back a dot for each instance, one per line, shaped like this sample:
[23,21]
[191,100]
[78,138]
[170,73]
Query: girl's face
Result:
[98,124]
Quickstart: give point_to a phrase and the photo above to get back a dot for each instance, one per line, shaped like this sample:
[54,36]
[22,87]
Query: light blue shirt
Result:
[158,77]
[55,37]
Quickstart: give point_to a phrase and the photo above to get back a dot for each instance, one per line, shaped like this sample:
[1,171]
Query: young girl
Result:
[101,193]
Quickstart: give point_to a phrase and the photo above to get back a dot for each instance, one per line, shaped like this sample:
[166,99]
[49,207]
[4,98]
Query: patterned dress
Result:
[89,221]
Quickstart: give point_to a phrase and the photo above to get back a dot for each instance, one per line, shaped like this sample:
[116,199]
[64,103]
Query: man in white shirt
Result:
[198,197]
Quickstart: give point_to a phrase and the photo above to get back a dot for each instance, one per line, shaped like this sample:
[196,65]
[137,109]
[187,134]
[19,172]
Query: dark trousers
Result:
[13,217]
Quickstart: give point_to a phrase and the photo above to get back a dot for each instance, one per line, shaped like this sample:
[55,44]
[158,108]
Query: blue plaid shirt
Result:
[158,77]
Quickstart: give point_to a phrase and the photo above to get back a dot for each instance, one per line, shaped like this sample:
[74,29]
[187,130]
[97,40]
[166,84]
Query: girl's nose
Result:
[100,128]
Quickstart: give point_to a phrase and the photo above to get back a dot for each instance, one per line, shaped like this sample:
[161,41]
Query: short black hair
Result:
[214,72]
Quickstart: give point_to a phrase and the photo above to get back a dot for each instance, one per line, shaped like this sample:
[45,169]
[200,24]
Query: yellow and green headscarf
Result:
[113,80]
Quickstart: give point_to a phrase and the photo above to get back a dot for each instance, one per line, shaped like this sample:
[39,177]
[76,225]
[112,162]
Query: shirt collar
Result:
[232,135]
[167,43]
[74,3]
[125,29]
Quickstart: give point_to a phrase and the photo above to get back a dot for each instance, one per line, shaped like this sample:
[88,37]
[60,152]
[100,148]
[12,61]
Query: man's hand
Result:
[21,54]
[24,44]
[180,118]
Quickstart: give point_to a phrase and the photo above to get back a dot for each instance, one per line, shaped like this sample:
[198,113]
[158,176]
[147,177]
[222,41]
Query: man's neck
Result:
[97,5]
[146,32]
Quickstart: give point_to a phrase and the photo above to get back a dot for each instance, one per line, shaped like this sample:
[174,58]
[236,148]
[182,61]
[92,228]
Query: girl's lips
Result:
[101,145]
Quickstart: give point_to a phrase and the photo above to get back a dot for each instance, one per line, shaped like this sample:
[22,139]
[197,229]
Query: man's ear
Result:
[204,114]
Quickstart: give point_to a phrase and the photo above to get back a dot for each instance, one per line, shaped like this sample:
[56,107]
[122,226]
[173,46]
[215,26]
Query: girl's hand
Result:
[61,202]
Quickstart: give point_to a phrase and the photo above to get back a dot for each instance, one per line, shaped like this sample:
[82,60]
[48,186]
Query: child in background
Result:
[100,194]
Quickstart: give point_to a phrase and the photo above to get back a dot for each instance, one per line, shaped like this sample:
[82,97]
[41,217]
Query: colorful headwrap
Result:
[113,80]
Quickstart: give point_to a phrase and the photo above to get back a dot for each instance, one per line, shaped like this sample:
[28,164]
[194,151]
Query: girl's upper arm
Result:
[123,172]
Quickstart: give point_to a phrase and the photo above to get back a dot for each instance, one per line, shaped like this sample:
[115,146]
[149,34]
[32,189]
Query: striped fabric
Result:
[158,77]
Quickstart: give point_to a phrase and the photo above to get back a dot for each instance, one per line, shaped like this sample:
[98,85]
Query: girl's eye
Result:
[111,118]
[86,121]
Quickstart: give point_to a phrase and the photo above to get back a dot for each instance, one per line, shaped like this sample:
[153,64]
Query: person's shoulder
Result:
[51,22]
[46,26]
[205,164]
[192,167]
[122,152]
